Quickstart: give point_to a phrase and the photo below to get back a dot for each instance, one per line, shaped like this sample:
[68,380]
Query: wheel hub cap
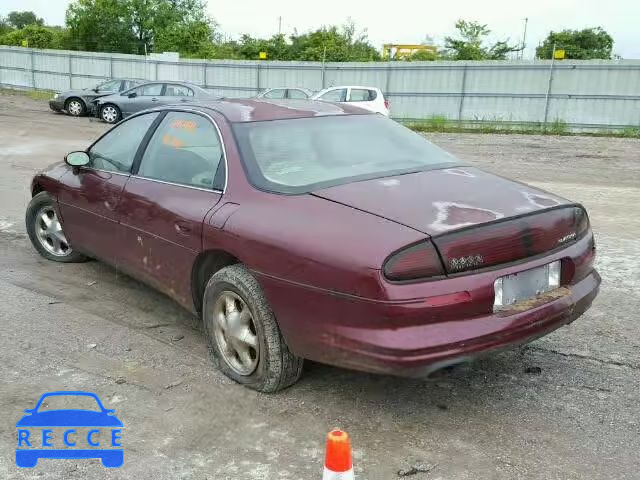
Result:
[75,108]
[235,333]
[109,114]
[49,232]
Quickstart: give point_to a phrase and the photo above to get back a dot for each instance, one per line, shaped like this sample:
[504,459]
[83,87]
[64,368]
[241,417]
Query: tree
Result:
[578,44]
[470,44]
[22,19]
[342,44]
[134,26]
[5,27]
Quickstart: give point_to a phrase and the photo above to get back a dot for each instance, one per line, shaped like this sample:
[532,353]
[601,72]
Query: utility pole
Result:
[280,25]
[524,38]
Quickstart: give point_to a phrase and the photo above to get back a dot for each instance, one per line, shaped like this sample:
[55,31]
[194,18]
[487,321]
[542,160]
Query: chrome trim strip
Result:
[212,190]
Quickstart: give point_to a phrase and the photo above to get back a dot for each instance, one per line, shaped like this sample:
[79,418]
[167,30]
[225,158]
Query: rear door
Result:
[180,178]
[364,98]
[89,198]
[176,93]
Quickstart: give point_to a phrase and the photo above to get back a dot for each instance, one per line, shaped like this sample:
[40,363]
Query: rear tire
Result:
[110,113]
[75,107]
[251,351]
[45,231]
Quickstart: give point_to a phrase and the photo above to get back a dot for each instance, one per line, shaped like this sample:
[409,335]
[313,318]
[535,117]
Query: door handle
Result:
[182,227]
[184,100]
[154,99]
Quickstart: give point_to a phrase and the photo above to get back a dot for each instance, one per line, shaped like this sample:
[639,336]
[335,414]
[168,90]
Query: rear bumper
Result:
[414,338]
[56,105]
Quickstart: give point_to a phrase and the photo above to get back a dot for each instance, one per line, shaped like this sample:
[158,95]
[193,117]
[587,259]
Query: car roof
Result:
[364,87]
[237,110]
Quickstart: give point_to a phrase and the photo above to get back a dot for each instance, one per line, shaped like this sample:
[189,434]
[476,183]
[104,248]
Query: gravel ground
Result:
[565,407]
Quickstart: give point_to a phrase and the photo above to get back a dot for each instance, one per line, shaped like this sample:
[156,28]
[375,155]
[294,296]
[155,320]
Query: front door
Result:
[147,96]
[179,179]
[89,198]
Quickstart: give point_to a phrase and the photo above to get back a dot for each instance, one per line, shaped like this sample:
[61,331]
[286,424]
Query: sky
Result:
[408,21]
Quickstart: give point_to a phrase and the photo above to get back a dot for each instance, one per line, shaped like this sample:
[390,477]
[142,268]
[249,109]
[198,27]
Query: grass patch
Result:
[558,127]
[39,95]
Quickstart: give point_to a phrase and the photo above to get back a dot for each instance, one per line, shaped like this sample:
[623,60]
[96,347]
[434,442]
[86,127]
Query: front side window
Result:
[337,95]
[276,93]
[302,155]
[185,149]
[178,91]
[116,150]
[362,95]
[151,90]
[111,86]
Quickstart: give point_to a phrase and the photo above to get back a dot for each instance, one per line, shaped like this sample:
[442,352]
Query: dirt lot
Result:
[565,407]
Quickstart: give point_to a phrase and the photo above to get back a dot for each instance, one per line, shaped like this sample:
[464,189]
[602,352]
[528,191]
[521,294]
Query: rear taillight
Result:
[417,261]
[387,104]
[511,240]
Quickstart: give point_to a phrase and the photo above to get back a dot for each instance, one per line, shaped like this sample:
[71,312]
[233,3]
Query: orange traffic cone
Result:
[337,460]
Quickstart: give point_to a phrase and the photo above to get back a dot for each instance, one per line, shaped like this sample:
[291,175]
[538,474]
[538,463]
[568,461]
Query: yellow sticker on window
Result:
[189,125]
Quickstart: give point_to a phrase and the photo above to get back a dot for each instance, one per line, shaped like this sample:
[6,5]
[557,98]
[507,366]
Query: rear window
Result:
[302,155]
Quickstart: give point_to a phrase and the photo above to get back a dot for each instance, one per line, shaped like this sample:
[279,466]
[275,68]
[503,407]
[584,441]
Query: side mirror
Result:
[132,95]
[77,159]
[96,89]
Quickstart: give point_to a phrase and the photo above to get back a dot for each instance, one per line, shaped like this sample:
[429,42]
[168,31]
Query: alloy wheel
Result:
[109,114]
[235,333]
[74,108]
[50,234]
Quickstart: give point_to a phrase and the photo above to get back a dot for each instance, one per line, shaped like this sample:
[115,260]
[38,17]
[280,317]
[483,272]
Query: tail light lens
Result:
[417,261]
[387,104]
[511,240]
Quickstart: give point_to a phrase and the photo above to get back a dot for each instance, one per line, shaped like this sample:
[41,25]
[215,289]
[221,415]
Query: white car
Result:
[370,98]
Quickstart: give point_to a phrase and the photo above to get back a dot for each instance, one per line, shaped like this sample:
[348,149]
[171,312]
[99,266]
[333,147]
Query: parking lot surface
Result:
[565,407]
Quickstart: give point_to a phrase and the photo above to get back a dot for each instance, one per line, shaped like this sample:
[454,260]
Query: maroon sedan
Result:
[300,229]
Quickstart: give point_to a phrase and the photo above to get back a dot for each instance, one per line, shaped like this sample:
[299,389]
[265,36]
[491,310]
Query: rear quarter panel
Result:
[311,241]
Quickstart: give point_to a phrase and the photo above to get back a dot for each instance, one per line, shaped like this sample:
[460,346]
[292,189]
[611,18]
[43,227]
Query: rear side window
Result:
[152,90]
[297,94]
[362,95]
[185,149]
[276,93]
[178,91]
[116,150]
[337,95]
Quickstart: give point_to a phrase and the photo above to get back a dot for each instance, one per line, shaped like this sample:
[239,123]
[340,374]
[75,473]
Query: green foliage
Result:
[131,26]
[5,27]
[557,127]
[22,19]
[470,44]
[36,36]
[586,44]
[423,56]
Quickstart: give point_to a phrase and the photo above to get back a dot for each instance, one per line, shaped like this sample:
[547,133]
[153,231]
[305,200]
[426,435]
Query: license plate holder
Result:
[525,285]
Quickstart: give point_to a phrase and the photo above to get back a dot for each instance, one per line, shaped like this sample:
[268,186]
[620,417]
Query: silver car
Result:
[113,108]
[77,102]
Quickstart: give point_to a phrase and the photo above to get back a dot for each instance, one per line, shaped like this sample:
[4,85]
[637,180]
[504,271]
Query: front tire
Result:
[45,231]
[244,339]
[110,113]
[74,107]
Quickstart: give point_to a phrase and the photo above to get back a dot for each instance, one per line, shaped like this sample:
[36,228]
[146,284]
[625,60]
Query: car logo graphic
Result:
[36,430]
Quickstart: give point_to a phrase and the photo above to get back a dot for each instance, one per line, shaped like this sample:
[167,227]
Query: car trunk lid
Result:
[438,201]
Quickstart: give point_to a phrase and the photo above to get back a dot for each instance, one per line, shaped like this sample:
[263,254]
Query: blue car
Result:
[102,419]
